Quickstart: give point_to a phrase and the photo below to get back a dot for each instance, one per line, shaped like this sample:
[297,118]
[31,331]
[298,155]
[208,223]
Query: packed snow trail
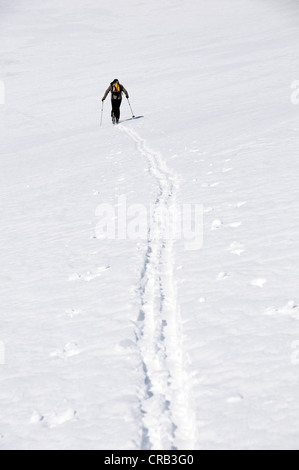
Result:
[168,422]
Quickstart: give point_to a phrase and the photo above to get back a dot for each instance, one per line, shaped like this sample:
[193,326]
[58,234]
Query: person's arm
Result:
[106,93]
[126,93]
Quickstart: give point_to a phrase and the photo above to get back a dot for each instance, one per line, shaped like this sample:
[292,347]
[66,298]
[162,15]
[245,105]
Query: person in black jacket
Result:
[116,90]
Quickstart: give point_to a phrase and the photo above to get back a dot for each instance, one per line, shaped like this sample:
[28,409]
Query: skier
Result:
[116,90]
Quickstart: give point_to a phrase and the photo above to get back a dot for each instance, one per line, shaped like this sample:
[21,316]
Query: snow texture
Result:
[141,343]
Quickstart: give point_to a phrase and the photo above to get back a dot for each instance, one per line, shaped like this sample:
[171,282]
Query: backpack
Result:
[116,90]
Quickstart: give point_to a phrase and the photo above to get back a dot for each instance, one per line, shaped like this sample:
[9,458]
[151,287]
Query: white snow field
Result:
[143,343]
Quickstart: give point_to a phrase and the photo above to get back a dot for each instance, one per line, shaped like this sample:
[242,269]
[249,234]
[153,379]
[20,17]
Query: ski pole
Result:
[133,116]
[102,113]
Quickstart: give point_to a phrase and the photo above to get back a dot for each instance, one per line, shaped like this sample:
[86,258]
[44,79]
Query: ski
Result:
[131,119]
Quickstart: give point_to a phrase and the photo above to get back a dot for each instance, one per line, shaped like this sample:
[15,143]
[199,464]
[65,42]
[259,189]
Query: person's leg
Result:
[117,110]
[113,108]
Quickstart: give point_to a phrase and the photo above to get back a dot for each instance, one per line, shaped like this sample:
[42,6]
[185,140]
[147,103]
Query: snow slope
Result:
[143,344]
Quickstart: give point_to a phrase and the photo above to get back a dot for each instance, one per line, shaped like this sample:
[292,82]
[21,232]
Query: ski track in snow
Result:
[168,420]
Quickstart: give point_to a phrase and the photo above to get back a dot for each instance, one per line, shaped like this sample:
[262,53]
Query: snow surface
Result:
[143,344]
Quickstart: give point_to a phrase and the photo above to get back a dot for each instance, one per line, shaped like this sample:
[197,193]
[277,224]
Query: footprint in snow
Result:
[240,204]
[53,420]
[235,399]
[259,282]
[218,224]
[71,313]
[90,275]
[291,309]
[69,350]
[236,248]
[209,185]
[235,224]
[222,276]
